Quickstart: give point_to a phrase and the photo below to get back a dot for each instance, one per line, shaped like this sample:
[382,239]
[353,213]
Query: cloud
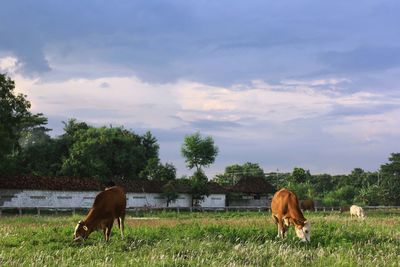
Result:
[164,42]
[8,64]
[362,59]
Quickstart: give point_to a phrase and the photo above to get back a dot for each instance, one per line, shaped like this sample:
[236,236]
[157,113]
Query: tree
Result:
[15,119]
[198,151]
[157,171]
[39,154]
[234,172]
[199,187]
[105,153]
[169,192]
[390,181]
[299,175]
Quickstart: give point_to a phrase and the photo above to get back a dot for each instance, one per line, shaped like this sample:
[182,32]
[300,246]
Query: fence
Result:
[38,210]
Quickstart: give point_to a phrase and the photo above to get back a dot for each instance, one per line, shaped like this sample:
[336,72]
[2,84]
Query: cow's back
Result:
[110,203]
[284,201]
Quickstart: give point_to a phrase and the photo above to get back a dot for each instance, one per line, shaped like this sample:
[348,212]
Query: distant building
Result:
[71,192]
[250,191]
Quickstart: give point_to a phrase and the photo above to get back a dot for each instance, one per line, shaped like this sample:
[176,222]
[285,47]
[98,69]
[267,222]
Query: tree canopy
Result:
[199,151]
[15,120]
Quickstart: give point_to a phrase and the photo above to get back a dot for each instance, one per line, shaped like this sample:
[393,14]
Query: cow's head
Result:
[303,231]
[362,215]
[81,231]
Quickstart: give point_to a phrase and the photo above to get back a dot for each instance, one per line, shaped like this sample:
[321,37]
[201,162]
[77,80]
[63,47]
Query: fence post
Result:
[20,211]
[73,211]
[38,211]
[0,211]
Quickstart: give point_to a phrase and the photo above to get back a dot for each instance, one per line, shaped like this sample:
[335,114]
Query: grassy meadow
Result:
[203,239]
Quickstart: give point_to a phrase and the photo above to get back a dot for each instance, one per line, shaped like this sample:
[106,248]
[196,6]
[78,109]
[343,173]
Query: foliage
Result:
[299,175]
[15,120]
[341,196]
[234,172]
[199,187]
[198,151]
[155,170]
[107,152]
[170,192]
[391,180]
[302,190]
[371,195]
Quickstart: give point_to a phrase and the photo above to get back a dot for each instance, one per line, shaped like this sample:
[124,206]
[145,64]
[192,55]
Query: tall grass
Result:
[203,239]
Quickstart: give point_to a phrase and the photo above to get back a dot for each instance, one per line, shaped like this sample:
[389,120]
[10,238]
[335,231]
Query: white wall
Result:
[214,201]
[154,200]
[249,201]
[39,198]
[81,199]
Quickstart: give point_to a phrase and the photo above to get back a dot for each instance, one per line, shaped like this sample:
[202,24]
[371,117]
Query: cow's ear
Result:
[298,222]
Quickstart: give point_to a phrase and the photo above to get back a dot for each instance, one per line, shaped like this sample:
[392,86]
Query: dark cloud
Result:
[217,42]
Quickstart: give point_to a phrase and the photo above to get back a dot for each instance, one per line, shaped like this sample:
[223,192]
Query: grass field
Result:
[203,239]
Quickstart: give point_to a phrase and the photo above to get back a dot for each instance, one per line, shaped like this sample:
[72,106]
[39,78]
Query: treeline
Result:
[359,187]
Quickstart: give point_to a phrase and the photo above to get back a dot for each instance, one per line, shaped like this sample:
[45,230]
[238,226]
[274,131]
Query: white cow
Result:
[356,211]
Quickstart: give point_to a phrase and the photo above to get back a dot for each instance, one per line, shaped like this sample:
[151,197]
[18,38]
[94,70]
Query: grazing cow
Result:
[356,211]
[286,211]
[108,205]
[307,204]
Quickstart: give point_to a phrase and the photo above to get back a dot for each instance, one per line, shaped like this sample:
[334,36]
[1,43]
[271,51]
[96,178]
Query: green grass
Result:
[203,239]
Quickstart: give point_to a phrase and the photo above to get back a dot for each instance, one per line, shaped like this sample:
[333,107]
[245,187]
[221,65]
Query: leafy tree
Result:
[302,190]
[104,153]
[390,181]
[299,175]
[198,151]
[158,171]
[341,196]
[234,172]
[39,153]
[371,195]
[279,180]
[150,145]
[169,192]
[15,119]
[322,183]
[199,187]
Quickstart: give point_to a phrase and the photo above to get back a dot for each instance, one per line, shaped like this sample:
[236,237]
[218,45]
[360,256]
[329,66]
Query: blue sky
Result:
[313,84]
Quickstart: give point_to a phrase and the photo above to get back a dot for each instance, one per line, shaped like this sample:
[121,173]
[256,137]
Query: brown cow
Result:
[108,205]
[307,204]
[286,211]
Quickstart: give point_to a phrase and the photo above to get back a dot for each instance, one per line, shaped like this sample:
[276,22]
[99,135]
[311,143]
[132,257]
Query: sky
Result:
[291,83]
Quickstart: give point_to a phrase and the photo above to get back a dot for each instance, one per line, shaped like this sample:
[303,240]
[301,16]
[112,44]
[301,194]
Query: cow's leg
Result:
[105,232]
[281,228]
[121,226]
[122,219]
[276,221]
[108,230]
